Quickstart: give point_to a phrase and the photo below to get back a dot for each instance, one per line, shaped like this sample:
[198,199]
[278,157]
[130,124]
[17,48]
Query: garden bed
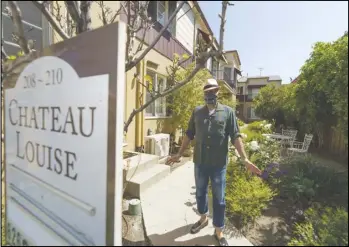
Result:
[297,201]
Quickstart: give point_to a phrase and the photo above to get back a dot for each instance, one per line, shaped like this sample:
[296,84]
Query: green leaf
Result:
[12,57]
[185,56]
[149,80]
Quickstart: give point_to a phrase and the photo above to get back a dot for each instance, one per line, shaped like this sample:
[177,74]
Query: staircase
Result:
[141,171]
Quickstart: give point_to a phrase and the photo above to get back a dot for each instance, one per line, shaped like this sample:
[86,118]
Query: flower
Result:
[254,145]
[273,170]
[265,175]
[267,126]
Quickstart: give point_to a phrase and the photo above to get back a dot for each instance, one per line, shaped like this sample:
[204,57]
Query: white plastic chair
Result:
[300,147]
[291,133]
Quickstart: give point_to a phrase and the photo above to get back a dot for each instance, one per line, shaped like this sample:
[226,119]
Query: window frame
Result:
[172,26]
[156,103]
[253,113]
[254,92]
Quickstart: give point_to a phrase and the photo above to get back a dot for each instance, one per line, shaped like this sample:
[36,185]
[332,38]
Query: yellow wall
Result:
[152,123]
[131,87]
[146,123]
[96,22]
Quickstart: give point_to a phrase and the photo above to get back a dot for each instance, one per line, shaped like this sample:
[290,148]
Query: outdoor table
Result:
[278,136]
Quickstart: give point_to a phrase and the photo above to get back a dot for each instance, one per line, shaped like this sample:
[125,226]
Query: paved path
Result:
[169,210]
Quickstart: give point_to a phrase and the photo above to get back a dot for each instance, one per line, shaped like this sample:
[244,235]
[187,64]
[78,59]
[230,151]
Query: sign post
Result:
[63,144]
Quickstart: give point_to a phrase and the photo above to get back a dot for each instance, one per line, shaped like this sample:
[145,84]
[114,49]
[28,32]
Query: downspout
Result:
[142,101]
[125,110]
[138,116]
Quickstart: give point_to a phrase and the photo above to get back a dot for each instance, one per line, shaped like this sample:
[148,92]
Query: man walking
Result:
[211,125]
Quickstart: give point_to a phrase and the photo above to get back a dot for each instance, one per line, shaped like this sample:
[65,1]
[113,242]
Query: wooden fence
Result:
[336,144]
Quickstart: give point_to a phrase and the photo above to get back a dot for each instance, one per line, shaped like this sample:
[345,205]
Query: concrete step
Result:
[138,163]
[146,179]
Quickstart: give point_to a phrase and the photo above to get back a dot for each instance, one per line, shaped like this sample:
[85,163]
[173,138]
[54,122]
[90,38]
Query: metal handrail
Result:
[220,74]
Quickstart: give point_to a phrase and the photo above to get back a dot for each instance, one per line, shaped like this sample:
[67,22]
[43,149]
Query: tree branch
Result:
[223,21]
[203,57]
[85,16]
[128,37]
[103,17]
[133,63]
[4,55]
[50,19]
[146,27]
[16,17]
[57,10]
[11,66]
[163,94]
[73,9]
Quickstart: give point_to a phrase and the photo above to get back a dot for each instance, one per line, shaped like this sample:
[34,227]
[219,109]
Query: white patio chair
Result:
[291,133]
[300,147]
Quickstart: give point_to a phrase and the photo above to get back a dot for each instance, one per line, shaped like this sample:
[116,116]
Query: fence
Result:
[336,144]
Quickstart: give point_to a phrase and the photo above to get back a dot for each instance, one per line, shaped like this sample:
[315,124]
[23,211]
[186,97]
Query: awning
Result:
[207,39]
[205,36]
[238,71]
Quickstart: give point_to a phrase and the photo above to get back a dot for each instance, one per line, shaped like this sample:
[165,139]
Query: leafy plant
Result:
[225,96]
[273,174]
[310,182]
[319,100]
[301,187]
[252,135]
[262,127]
[323,227]
[246,195]
[240,122]
[269,151]
[184,100]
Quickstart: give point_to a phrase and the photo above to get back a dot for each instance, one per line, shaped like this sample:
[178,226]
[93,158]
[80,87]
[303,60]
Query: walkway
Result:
[169,210]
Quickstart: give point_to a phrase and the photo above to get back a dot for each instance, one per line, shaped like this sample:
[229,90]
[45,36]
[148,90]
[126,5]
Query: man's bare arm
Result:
[240,148]
[184,146]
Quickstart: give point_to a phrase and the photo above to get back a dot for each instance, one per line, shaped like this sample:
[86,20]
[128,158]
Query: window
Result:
[214,71]
[161,11]
[253,114]
[35,26]
[227,74]
[240,90]
[253,92]
[157,108]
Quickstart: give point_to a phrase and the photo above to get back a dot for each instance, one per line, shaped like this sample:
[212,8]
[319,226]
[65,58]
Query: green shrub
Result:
[323,227]
[240,122]
[309,182]
[268,152]
[256,126]
[252,135]
[255,130]
[246,195]
[262,127]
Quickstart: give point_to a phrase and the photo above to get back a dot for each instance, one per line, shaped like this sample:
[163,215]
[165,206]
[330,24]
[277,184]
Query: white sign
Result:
[56,156]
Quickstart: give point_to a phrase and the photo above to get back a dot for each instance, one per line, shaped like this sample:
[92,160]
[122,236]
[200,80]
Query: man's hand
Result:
[173,159]
[252,168]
